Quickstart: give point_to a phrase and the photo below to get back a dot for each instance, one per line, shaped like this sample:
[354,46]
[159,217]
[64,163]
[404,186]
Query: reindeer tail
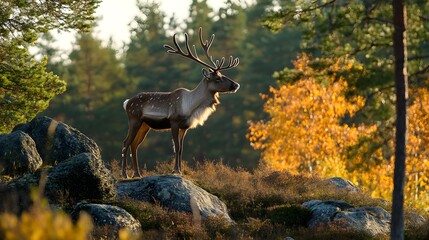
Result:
[125,104]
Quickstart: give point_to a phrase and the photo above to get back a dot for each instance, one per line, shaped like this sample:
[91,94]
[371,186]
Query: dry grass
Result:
[265,204]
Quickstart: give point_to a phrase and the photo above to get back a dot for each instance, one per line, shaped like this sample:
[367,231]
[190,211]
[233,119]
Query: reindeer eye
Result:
[218,79]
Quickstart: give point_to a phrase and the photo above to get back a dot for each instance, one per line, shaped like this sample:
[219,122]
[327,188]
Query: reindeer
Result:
[179,110]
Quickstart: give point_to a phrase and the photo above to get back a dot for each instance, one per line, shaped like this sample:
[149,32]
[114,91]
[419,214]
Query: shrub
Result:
[41,222]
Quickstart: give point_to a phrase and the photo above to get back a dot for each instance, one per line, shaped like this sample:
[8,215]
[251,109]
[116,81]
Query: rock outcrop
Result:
[342,183]
[175,193]
[78,178]
[107,216]
[56,141]
[372,220]
[18,154]
[83,176]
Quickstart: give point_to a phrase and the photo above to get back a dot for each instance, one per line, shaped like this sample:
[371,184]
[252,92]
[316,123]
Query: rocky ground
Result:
[76,179]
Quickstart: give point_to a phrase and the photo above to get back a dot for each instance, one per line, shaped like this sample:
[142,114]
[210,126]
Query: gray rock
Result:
[83,176]
[415,219]
[78,178]
[323,211]
[56,141]
[342,183]
[103,215]
[18,154]
[372,220]
[175,193]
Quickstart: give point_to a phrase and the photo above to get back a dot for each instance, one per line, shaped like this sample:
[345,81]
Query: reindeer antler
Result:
[217,66]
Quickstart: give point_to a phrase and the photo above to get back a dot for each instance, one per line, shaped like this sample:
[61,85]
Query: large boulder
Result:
[83,176]
[78,178]
[56,141]
[107,216]
[175,193]
[372,220]
[18,154]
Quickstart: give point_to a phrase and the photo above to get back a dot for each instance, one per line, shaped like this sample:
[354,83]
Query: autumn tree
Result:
[25,86]
[362,30]
[305,132]
[417,184]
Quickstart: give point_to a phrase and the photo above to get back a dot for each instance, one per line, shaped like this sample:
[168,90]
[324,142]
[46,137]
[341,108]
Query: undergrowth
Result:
[264,205]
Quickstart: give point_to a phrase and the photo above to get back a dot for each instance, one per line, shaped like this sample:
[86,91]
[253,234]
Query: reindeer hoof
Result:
[137,175]
[124,175]
[177,171]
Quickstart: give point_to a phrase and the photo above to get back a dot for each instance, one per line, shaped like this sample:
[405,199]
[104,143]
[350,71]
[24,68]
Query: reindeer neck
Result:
[202,97]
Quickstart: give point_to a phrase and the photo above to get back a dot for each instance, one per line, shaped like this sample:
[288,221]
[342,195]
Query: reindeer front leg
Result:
[141,135]
[178,136]
[124,162]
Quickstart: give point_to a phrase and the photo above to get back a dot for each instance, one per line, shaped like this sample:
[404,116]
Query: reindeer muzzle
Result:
[234,87]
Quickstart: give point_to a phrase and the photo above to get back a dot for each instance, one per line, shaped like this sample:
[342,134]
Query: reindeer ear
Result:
[206,73]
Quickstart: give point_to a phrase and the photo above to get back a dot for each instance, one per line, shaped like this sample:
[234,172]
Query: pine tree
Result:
[25,86]
[401,126]
[200,15]
[146,58]
[97,86]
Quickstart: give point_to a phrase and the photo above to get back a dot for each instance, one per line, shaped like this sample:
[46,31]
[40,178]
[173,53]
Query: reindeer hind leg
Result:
[133,127]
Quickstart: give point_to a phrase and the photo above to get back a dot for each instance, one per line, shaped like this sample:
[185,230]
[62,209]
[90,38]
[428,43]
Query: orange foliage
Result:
[378,176]
[304,133]
[417,185]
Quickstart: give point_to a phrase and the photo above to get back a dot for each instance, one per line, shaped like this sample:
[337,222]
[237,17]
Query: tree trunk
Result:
[401,84]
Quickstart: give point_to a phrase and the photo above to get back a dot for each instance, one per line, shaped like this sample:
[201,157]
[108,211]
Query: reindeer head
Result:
[215,80]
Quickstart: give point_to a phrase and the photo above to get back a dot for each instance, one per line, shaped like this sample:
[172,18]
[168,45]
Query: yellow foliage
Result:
[379,177]
[304,134]
[41,222]
[417,171]
[126,234]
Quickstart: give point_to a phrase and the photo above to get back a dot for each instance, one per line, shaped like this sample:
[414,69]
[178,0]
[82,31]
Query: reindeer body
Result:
[183,107]
[179,110]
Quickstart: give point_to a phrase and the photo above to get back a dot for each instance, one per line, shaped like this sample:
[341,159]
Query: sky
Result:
[116,15]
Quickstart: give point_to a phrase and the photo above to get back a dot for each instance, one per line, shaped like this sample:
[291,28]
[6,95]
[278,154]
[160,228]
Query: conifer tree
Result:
[97,86]
[25,86]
